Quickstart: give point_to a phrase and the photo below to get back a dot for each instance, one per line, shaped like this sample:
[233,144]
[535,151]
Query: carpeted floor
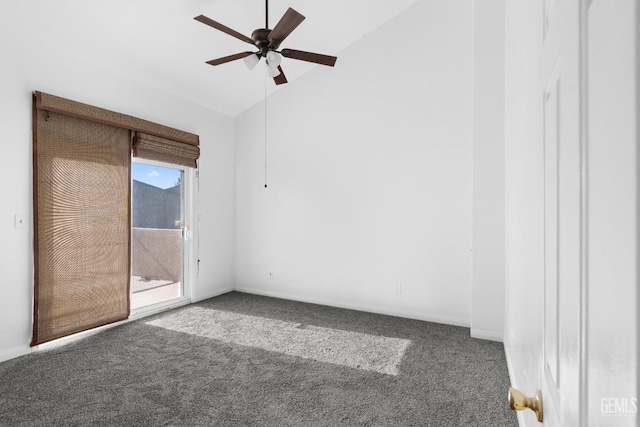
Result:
[245,360]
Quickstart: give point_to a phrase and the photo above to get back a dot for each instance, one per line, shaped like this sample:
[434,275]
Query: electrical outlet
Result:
[398,289]
[270,275]
[20,221]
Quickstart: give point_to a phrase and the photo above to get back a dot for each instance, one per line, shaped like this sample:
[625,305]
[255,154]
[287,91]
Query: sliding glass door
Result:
[157,235]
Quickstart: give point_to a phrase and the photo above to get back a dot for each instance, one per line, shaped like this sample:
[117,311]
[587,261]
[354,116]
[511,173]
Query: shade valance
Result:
[56,104]
[153,147]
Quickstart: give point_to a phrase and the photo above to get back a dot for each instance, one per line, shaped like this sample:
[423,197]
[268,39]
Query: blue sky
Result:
[157,176]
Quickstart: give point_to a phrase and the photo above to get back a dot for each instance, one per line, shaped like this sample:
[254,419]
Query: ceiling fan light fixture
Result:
[267,41]
[273,58]
[251,61]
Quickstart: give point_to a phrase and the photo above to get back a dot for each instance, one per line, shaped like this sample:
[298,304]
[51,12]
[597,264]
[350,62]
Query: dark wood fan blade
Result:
[229,58]
[309,57]
[289,21]
[218,26]
[280,78]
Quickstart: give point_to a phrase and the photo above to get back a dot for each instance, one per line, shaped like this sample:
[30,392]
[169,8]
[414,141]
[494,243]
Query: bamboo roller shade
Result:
[82,225]
[82,196]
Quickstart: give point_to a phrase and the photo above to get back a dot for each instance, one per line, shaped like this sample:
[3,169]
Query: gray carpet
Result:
[245,360]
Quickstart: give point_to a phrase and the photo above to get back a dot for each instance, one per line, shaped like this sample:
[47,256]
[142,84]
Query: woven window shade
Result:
[153,141]
[153,147]
[82,224]
[56,104]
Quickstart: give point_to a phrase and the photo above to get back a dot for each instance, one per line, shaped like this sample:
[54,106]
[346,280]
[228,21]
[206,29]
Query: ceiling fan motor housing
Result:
[261,39]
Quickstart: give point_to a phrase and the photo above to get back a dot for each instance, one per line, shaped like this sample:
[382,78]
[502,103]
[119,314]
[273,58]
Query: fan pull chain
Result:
[265,133]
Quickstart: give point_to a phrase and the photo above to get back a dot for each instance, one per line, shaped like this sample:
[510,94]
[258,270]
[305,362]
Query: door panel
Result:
[551,205]
[612,340]
[524,197]
[158,226]
[571,125]
[560,87]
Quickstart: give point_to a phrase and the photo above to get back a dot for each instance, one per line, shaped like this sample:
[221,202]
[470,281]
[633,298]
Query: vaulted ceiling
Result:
[158,42]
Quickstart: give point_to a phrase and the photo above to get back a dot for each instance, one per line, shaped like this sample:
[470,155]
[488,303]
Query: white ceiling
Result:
[158,42]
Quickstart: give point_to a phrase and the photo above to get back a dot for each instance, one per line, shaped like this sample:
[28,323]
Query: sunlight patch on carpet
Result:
[352,349]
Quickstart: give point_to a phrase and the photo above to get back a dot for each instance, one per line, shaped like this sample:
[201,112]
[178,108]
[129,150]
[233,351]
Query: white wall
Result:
[369,174]
[30,63]
[487,312]
[369,170]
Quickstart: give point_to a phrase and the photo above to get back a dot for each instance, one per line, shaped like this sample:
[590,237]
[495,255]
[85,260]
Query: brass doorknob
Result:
[518,402]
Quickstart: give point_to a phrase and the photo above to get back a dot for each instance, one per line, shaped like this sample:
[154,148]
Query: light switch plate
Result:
[20,221]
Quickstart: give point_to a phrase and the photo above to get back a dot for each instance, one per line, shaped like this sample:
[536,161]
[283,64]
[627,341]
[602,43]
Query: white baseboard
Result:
[25,349]
[216,293]
[486,335]
[135,315]
[14,352]
[360,307]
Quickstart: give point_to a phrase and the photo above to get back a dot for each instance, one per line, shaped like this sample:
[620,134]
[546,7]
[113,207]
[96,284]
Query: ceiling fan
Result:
[268,41]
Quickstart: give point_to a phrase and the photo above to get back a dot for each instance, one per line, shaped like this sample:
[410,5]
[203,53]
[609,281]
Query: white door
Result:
[613,235]
[571,153]
[563,148]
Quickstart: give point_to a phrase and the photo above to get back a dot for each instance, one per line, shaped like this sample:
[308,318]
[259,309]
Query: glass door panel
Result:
[157,219]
